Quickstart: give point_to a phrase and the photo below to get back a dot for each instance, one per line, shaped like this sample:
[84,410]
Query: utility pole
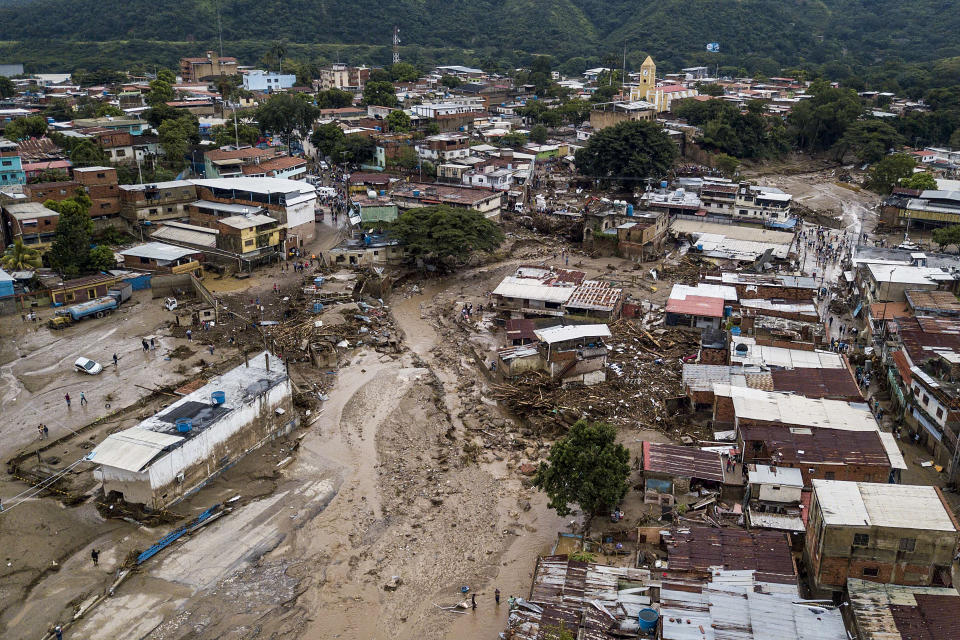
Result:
[396,44]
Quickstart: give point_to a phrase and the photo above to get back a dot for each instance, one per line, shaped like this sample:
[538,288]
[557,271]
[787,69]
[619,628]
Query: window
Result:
[8,163]
[101,175]
[144,260]
[121,153]
[861,539]
[926,399]
[829,475]
[908,545]
[939,412]
[870,572]
[91,294]
[247,243]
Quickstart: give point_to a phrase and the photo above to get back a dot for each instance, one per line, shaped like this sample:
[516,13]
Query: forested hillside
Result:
[758,35]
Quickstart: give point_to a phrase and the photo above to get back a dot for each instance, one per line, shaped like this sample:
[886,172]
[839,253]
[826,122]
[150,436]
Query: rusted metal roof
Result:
[819,445]
[700,548]
[891,612]
[595,296]
[817,383]
[677,460]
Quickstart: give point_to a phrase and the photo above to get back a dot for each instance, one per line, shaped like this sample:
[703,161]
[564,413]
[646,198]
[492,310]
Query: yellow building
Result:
[249,234]
[660,96]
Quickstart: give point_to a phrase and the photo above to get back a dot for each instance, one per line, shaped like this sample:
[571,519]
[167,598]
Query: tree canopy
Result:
[334,99]
[446,235]
[24,128]
[20,257]
[70,252]
[820,121]
[627,153]
[399,121]
[381,94]
[920,181]
[7,88]
[326,137]
[587,467]
[946,236]
[286,115]
[887,173]
[868,140]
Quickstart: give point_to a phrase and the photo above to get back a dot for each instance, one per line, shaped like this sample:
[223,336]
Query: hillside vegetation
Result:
[757,35]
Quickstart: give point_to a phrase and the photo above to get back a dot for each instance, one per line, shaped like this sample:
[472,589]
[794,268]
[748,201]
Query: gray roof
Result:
[157,251]
[26,210]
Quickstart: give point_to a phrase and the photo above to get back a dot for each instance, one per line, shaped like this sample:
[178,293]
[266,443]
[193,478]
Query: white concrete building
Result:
[175,452]
[267,81]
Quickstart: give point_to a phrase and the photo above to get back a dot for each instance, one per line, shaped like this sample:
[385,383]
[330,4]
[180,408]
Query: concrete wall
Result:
[208,452]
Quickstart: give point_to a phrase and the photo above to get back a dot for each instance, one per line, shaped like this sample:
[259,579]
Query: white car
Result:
[86,365]
[170,304]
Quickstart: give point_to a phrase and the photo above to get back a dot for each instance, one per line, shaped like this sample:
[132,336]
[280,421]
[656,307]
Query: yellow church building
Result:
[660,96]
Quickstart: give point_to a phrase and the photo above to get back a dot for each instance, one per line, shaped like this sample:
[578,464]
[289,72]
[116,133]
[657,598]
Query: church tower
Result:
[648,77]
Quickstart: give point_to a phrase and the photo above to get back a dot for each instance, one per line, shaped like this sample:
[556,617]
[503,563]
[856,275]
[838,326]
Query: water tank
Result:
[416,193]
[317,307]
[647,619]
[371,194]
[367,240]
[629,210]
[218,397]
[184,425]
[663,184]
[734,331]
[727,311]
[383,192]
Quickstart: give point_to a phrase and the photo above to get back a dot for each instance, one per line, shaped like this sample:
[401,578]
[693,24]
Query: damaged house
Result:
[176,451]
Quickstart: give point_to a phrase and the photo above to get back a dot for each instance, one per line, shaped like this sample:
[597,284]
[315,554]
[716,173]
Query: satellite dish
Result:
[713,47]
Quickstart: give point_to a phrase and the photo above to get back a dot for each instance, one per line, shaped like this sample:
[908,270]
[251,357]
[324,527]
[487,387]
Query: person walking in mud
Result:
[66,397]
[95,555]
[83,399]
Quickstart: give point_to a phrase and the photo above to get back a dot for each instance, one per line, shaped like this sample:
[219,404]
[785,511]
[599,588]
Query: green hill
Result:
[759,35]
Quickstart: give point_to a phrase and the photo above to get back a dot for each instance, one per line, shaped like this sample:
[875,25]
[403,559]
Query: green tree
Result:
[334,99]
[575,111]
[513,140]
[278,51]
[287,115]
[446,235]
[20,257]
[101,258]
[399,121]
[69,254]
[628,153]
[379,75]
[167,76]
[406,159]
[539,134]
[7,88]
[160,93]
[541,74]
[946,236]
[109,110]
[432,128]
[820,121]
[59,109]
[920,181]
[381,94]
[868,140]
[587,467]
[326,138]
[955,139]
[710,89]
[86,154]
[727,164]
[25,128]
[225,134]
[174,138]
[451,82]
[356,149]
[887,173]
[403,72]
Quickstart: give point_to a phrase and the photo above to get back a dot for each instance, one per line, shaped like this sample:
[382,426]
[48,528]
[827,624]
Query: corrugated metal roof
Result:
[882,505]
[595,296]
[778,521]
[158,251]
[132,449]
[677,460]
[530,289]
[881,611]
[552,335]
[206,238]
[797,410]
[703,548]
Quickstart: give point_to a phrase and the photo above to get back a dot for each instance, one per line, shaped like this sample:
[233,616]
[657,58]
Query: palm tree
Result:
[279,51]
[19,257]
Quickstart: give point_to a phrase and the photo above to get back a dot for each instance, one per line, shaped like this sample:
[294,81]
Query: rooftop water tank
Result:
[647,619]
[629,210]
[218,397]
[184,425]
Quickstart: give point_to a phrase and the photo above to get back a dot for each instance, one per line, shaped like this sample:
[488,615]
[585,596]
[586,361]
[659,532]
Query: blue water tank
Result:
[647,619]
[218,397]
[367,240]
[727,312]
[663,184]
[630,210]
[383,192]
[184,425]
[734,331]
[317,307]
[416,193]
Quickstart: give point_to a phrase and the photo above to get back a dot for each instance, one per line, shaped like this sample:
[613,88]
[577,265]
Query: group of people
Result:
[466,312]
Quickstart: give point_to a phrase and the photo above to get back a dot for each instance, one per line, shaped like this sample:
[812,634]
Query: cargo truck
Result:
[100,306]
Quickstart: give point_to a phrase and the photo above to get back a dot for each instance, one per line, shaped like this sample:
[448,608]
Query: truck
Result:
[99,307]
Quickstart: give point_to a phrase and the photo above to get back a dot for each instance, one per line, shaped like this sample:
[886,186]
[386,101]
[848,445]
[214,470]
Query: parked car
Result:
[170,304]
[86,365]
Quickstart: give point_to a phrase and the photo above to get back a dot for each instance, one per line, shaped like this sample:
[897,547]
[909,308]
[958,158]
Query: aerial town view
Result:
[499,320]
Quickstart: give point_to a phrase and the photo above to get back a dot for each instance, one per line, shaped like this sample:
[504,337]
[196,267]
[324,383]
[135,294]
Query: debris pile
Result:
[643,386]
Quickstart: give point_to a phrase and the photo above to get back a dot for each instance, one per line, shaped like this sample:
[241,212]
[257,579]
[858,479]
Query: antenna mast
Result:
[396,44]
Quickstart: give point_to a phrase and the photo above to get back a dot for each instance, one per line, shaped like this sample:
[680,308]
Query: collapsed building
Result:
[176,451]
